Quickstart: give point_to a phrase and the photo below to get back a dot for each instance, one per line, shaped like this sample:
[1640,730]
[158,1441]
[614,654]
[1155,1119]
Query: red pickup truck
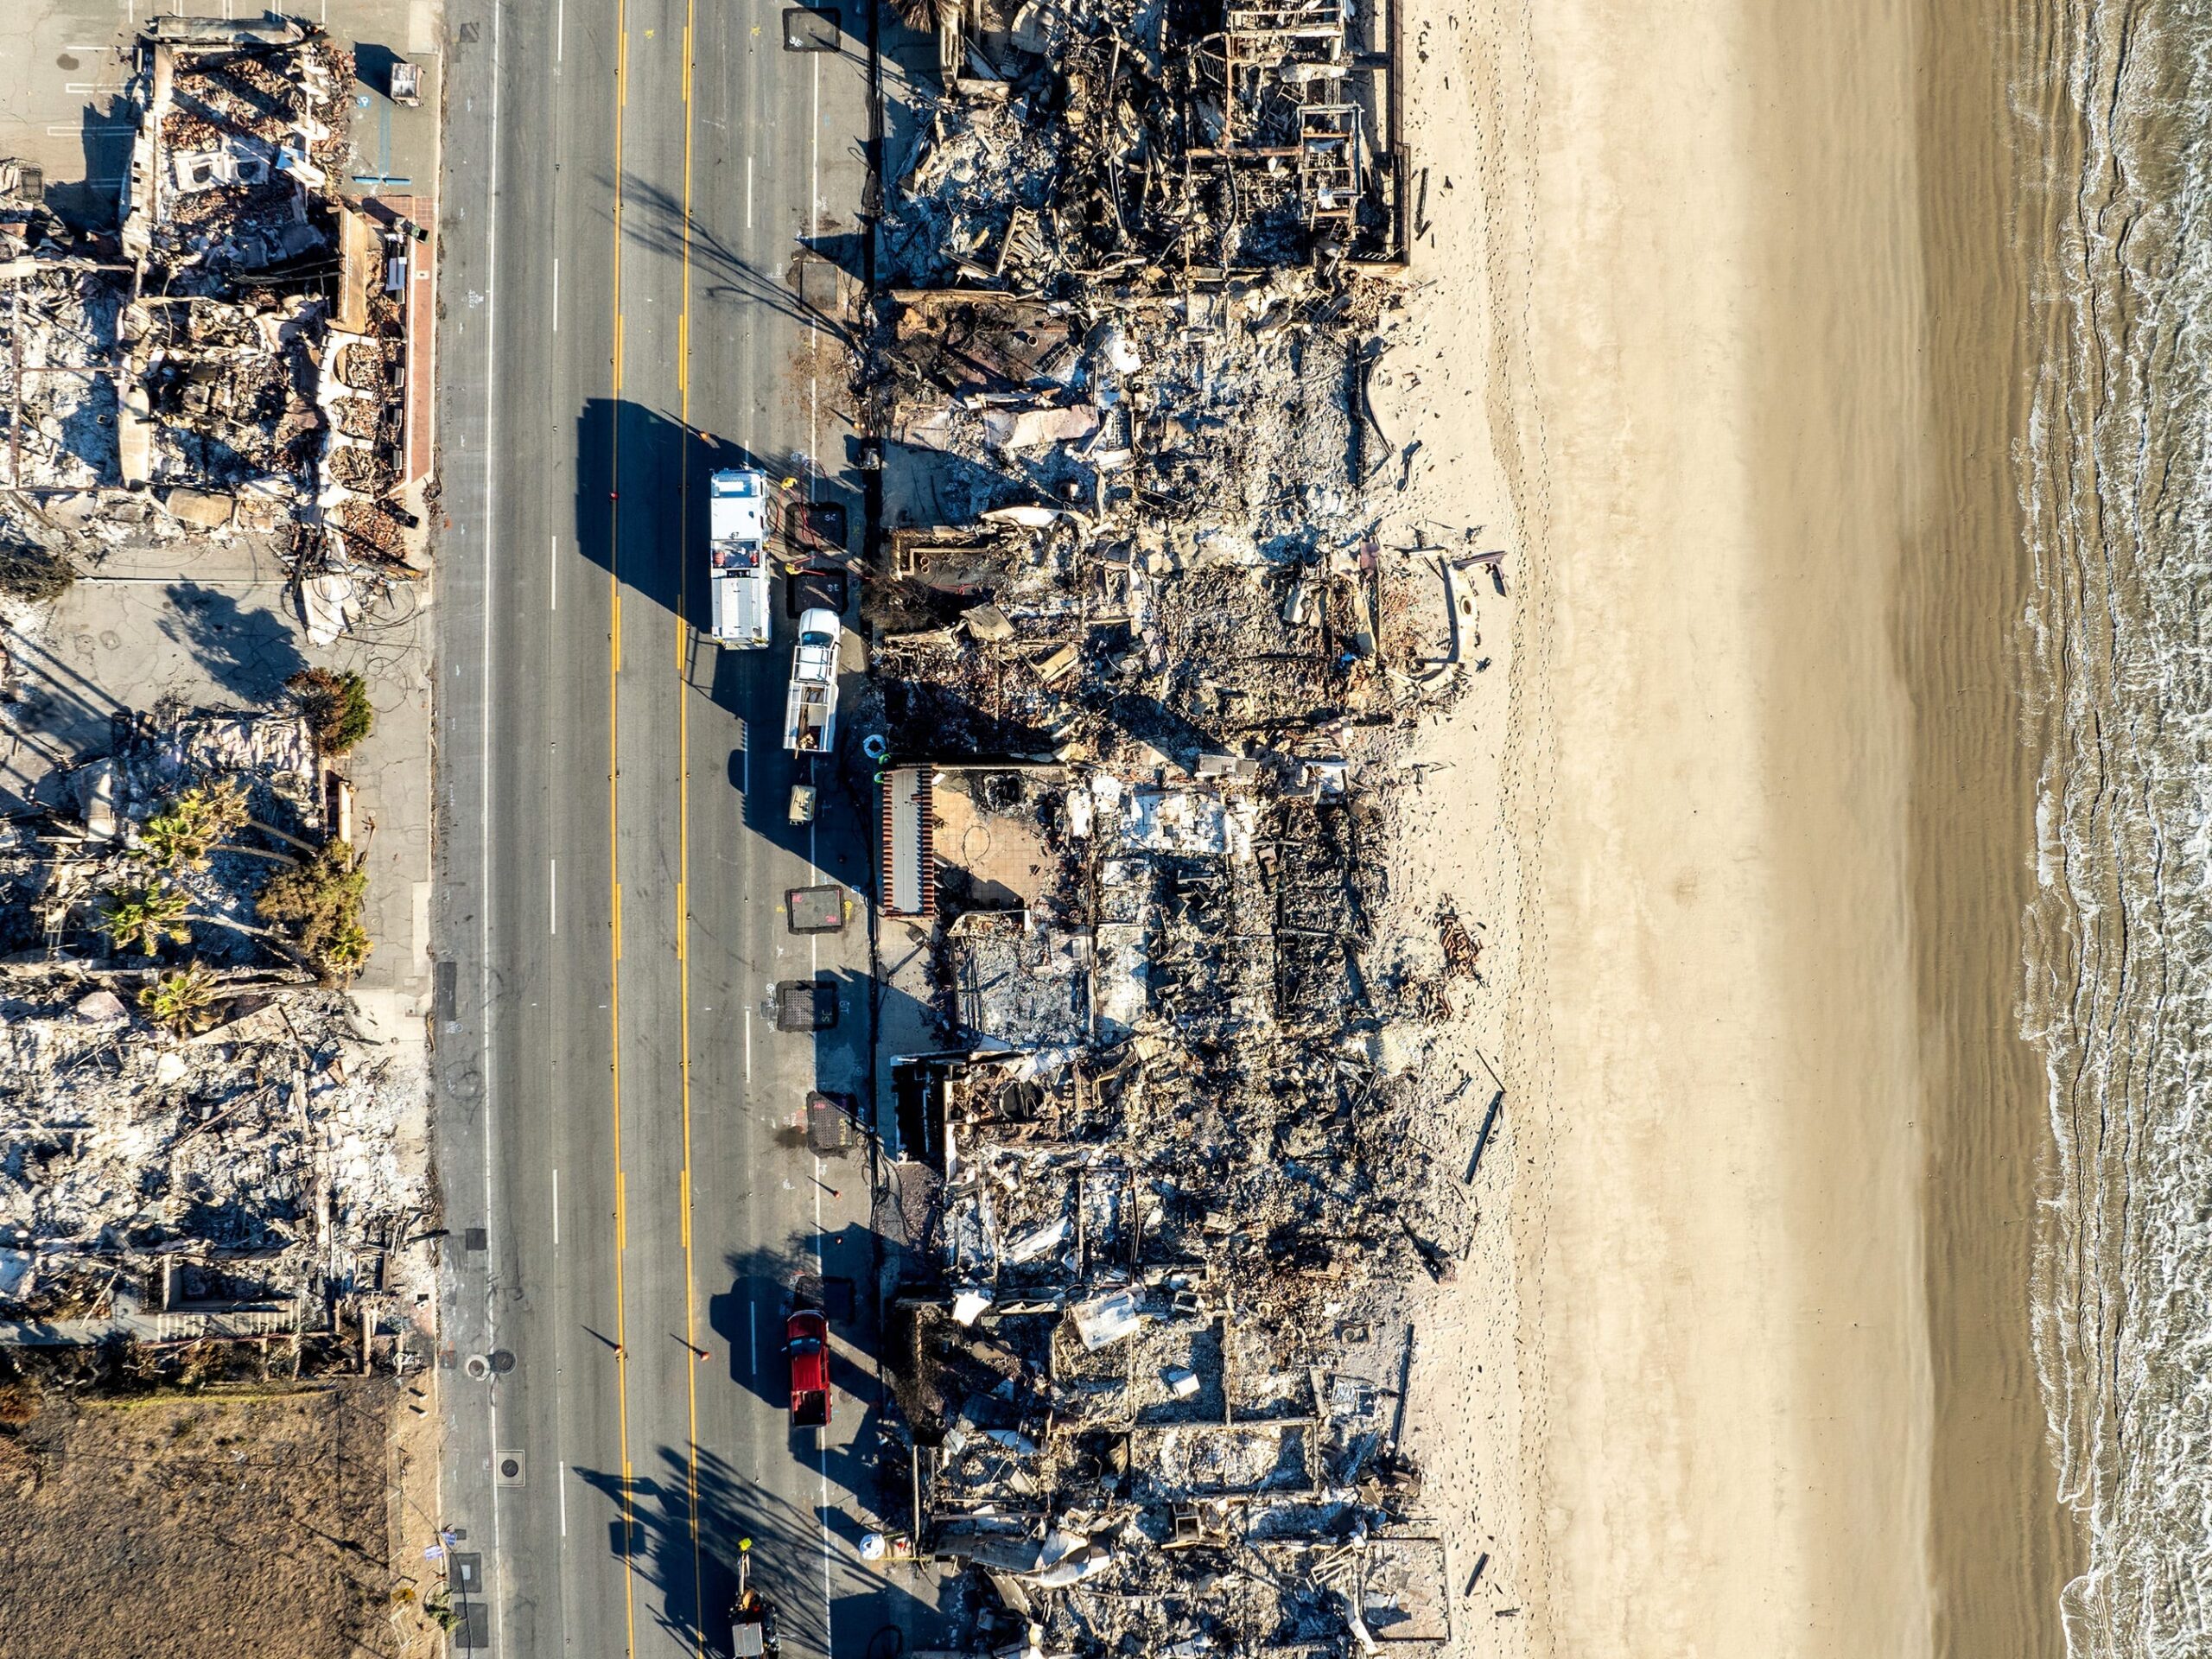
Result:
[806,1337]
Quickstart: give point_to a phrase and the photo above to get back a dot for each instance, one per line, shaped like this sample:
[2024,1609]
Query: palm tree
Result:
[193,823]
[147,916]
[158,913]
[346,951]
[183,1001]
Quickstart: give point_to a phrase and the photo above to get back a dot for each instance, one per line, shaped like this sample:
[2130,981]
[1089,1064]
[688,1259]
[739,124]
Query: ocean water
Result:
[2115,113]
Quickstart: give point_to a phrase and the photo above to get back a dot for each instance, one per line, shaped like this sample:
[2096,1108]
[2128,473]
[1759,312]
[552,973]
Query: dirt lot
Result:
[213,1523]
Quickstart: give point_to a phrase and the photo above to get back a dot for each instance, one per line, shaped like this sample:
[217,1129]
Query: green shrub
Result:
[336,705]
[320,903]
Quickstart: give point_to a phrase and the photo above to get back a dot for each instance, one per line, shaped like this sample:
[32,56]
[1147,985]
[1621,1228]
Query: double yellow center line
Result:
[684,822]
[683,810]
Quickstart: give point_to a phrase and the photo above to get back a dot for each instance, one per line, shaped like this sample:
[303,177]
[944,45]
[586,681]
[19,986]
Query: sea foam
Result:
[2116,482]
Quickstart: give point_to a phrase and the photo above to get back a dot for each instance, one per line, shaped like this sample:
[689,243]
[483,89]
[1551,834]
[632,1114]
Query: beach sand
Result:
[1722,340]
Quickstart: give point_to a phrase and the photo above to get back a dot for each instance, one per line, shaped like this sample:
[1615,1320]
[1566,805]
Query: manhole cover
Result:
[477,1367]
[815,910]
[502,1361]
[806,1005]
[472,1633]
[830,1130]
[507,1469]
[810,29]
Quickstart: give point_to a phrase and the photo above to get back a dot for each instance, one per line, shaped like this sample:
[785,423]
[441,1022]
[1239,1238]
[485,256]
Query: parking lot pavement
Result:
[64,65]
[61,73]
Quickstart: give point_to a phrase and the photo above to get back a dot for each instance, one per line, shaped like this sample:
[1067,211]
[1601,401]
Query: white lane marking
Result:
[564,1499]
[822,1440]
[557,1206]
[553,903]
[556,293]
[749,1045]
[553,572]
[484,902]
[753,1336]
[748,193]
[814,326]
[744,758]
[560,27]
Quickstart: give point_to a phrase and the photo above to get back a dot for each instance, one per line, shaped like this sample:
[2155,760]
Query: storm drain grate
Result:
[810,29]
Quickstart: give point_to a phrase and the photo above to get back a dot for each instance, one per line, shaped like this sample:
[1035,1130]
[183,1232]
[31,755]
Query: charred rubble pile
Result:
[1182,1171]
[233,352]
[1139,655]
[1097,140]
[195,1142]
[252,1179]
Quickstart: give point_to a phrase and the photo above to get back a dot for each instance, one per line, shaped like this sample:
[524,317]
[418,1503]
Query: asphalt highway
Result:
[631,1210]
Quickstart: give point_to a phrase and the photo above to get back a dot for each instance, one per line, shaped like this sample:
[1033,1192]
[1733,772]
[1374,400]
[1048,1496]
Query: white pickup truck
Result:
[810,713]
[737,554]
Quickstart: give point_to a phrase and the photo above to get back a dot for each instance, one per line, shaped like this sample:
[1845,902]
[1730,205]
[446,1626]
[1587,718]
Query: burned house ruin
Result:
[1141,643]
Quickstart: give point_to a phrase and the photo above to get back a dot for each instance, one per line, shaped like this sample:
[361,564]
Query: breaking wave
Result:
[2117,487]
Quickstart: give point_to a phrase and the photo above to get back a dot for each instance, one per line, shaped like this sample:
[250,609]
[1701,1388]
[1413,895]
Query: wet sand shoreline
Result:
[2000,1546]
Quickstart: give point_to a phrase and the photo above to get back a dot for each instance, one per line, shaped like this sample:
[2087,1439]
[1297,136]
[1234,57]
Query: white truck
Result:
[737,554]
[810,714]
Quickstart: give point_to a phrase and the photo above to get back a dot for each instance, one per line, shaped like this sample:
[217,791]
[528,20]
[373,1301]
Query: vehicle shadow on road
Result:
[641,507]
[765,1286]
[689,1552]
